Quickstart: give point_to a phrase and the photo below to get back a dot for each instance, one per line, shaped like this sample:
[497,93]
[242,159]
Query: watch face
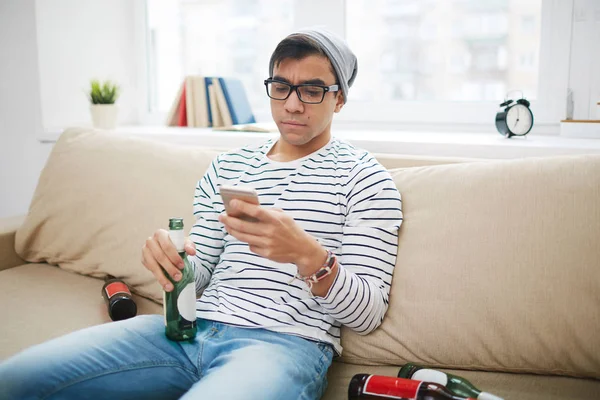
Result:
[519,119]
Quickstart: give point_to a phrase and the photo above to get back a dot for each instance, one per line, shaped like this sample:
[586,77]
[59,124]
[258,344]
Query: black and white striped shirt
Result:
[341,196]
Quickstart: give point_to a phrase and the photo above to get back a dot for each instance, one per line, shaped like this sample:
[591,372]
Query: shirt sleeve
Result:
[359,296]
[207,232]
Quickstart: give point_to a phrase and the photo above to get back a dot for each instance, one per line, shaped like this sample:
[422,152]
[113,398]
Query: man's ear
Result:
[339,102]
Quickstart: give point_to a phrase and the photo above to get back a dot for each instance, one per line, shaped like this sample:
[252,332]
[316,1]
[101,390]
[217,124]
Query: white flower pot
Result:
[104,116]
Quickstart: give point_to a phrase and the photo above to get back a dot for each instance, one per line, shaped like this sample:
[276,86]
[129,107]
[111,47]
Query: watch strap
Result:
[320,274]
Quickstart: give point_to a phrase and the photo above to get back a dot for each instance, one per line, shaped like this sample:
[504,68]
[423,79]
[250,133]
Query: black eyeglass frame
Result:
[326,89]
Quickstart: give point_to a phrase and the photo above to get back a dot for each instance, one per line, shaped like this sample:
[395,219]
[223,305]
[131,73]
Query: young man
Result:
[265,330]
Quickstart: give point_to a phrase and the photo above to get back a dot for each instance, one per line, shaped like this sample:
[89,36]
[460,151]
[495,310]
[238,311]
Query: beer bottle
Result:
[376,387]
[456,384]
[179,305]
[118,299]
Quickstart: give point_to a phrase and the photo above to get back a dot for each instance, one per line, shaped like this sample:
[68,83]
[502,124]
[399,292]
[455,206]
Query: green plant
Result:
[103,92]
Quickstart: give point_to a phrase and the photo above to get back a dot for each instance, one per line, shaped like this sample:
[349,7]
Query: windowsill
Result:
[444,144]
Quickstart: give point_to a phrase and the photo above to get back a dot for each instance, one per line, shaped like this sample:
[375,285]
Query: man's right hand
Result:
[159,253]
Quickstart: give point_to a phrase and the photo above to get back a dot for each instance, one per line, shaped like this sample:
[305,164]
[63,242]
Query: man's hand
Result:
[160,253]
[276,236]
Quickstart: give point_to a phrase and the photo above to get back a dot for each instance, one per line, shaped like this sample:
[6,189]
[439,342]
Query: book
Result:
[580,128]
[214,108]
[200,109]
[182,117]
[173,114]
[237,101]
[189,100]
[256,127]
[207,84]
[222,103]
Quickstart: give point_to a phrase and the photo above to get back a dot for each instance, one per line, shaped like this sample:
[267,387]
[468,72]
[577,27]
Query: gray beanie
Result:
[341,57]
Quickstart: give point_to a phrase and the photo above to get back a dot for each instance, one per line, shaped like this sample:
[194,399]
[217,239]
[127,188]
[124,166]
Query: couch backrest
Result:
[393,161]
[498,268]
[498,265]
[101,195]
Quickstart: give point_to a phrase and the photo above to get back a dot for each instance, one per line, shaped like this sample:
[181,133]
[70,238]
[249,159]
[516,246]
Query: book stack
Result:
[581,128]
[210,102]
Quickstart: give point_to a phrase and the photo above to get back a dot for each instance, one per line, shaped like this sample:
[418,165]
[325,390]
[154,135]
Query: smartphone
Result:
[247,194]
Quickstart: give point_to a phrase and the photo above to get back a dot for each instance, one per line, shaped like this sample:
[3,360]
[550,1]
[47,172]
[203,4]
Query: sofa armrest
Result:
[8,229]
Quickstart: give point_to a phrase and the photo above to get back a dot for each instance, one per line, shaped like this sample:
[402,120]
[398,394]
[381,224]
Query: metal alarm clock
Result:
[516,119]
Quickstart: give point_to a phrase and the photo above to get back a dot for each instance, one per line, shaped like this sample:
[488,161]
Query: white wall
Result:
[49,51]
[22,156]
[584,71]
[78,41]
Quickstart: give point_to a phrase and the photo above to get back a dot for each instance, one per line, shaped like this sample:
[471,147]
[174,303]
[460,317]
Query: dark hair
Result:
[297,47]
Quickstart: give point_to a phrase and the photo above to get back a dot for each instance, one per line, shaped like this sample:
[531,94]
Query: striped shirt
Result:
[342,197]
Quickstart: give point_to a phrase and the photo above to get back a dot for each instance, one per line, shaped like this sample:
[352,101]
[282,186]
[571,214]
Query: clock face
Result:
[519,119]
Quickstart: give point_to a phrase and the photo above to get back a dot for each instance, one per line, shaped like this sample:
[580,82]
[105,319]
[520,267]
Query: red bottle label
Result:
[394,388]
[116,287]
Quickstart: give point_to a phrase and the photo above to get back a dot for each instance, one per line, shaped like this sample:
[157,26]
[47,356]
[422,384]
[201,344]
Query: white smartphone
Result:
[247,194]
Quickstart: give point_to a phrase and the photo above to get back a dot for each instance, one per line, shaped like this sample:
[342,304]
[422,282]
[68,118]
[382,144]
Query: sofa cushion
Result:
[41,302]
[505,385]
[101,195]
[498,269]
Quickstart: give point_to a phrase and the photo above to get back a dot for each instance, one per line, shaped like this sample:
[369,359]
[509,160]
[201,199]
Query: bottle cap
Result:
[122,309]
[175,224]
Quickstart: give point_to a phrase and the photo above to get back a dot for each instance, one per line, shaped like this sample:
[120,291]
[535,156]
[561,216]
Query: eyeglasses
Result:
[307,93]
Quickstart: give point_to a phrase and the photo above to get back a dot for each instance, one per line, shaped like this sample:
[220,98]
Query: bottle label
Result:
[487,396]
[165,306]
[393,388]
[178,239]
[431,375]
[186,302]
[116,287]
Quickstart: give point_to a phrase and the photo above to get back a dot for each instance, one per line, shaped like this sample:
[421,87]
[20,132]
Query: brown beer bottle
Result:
[376,387]
[118,299]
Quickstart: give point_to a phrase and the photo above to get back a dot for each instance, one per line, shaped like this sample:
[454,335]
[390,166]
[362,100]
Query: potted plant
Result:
[103,96]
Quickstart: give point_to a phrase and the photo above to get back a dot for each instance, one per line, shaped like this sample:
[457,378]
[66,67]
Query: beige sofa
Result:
[497,277]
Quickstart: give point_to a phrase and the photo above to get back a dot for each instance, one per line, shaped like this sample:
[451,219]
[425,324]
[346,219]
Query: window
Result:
[443,50]
[212,38]
[432,62]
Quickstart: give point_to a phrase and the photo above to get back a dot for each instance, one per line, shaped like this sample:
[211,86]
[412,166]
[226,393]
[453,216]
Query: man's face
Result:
[300,124]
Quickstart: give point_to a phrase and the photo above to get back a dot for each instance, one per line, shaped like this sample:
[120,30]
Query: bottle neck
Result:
[408,370]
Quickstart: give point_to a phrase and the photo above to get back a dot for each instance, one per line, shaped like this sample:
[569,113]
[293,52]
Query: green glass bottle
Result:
[457,385]
[179,305]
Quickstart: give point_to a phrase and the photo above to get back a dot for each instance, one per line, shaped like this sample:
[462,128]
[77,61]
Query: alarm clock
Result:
[516,119]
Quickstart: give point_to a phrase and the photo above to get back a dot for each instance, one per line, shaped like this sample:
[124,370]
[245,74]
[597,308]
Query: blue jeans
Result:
[133,359]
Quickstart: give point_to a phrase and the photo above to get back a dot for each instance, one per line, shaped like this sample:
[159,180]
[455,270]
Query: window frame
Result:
[548,108]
